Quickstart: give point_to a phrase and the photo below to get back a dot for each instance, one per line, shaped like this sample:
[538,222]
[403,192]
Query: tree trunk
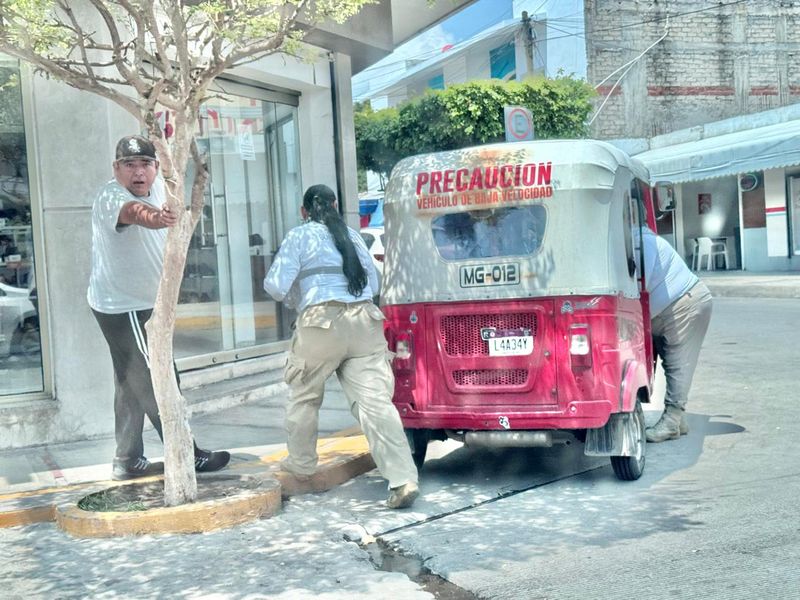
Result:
[180,483]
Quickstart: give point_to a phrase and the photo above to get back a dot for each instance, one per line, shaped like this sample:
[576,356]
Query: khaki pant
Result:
[347,339]
[678,332]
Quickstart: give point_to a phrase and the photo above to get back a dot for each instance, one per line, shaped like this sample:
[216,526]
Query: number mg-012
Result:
[484,275]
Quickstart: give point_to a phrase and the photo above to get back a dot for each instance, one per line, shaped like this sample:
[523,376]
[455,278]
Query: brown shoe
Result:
[403,496]
[668,426]
[285,468]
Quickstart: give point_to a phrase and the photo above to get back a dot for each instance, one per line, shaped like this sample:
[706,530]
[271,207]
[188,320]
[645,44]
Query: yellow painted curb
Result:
[27,516]
[326,478]
[340,459]
[244,506]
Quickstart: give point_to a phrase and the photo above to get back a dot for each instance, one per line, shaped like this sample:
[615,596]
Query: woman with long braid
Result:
[323,270]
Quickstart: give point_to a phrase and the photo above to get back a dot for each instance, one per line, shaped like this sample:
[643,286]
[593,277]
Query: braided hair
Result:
[318,202]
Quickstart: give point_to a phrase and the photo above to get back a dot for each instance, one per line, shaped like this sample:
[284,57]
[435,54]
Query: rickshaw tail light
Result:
[378,257]
[580,346]
[403,349]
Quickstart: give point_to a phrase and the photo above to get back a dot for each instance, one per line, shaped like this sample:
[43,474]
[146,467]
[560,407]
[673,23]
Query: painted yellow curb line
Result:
[27,516]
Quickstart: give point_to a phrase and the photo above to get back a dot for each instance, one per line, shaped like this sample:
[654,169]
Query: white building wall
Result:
[73,137]
[74,141]
[455,71]
[478,65]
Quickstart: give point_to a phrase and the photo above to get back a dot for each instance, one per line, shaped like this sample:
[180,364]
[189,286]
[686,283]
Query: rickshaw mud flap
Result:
[615,438]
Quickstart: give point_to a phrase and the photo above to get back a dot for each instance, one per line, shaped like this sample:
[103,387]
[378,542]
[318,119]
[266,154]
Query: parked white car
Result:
[373,238]
[19,322]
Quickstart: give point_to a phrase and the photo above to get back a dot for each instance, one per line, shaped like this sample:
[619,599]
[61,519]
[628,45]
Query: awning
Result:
[768,147]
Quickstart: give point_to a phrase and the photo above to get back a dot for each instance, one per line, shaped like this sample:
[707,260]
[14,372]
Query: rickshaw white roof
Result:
[592,153]
[573,244]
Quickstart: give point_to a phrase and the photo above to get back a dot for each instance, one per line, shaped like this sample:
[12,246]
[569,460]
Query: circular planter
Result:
[224,500]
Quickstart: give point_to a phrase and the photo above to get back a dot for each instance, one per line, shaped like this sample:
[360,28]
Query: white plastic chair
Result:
[693,243]
[708,249]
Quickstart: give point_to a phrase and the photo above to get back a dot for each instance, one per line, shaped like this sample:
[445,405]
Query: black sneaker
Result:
[135,467]
[206,461]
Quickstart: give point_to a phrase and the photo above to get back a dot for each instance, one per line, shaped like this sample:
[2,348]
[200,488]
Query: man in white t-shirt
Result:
[129,221]
[680,310]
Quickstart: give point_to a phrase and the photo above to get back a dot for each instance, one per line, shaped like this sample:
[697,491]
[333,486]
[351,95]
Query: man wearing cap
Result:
[129,221]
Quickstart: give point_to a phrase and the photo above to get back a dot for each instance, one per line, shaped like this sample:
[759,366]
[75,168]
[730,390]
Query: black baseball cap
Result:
[135,146]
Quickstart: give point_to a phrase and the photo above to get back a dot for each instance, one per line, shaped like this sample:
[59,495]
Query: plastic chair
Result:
[695,255]
[708,249]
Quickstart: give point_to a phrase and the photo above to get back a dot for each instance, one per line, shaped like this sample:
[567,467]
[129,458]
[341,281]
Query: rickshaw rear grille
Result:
[490,377]
[461,334]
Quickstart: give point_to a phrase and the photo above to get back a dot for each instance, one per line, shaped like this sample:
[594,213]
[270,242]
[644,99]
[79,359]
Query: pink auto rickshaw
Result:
[514,305]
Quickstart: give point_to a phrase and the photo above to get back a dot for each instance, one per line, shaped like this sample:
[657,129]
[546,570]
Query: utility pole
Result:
[527,32]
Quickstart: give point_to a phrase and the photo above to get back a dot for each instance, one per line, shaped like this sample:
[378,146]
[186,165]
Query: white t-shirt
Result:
[666,275]
[126,260]
[309,247]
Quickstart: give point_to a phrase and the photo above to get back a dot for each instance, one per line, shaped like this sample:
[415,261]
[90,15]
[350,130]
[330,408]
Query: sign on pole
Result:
[519,123]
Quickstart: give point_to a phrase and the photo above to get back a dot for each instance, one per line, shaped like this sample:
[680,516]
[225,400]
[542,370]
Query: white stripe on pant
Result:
[678,332]
[133,389]
[347,339]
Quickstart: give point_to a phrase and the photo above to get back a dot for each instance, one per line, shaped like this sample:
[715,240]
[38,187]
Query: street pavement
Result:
[256,428]
[305,550]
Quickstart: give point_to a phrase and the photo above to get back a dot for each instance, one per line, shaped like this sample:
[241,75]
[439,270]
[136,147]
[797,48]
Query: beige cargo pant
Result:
[347,339]
[678,332]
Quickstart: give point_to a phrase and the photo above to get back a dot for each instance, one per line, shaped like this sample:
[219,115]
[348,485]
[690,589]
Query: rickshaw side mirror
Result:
[665,196]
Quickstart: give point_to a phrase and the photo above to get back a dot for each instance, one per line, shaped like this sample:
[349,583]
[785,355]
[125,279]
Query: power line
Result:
[717,6]
[582,34]
[630,64]
[576,33]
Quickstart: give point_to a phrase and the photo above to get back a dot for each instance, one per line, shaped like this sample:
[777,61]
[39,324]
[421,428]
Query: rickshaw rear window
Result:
[508,231]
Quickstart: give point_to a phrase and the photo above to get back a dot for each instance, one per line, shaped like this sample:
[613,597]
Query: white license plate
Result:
[518,345]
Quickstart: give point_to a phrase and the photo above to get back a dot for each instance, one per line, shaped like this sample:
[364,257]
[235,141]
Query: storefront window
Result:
[20,347]
[252,200]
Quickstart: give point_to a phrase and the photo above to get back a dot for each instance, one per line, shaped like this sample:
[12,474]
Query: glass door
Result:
[252,199]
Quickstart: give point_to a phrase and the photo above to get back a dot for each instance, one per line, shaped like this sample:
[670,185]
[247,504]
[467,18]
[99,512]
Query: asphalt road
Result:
[714,515]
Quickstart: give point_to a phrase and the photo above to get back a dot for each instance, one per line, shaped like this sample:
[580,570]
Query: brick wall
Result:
[713,64]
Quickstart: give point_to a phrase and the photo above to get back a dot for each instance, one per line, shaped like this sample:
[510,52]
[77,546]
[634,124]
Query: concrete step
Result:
[200,377]
[218,396]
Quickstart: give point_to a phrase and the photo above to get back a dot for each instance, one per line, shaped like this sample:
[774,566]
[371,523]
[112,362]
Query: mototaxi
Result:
[513,303]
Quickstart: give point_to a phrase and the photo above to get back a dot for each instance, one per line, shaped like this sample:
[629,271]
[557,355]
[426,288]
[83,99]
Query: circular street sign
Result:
[519,124]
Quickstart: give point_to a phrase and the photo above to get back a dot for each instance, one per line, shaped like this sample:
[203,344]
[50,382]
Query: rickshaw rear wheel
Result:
[418,441]
[630,468]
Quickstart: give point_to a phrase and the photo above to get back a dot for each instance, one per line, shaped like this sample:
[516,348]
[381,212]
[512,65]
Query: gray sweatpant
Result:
[346,339]
[678,333]
[133,389]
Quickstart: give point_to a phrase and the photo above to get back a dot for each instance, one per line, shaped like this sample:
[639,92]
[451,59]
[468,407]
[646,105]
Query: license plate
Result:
[517,345]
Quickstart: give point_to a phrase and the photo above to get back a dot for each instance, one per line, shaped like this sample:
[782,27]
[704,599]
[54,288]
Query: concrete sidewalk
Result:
[254,429]
[744,284]
[253,432]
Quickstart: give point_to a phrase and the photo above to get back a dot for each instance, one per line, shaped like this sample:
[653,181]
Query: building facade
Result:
[668,65]
[275,127]
[542,44]
[706,97]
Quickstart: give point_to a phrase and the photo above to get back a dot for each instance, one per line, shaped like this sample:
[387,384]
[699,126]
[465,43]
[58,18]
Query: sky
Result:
[463,25]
